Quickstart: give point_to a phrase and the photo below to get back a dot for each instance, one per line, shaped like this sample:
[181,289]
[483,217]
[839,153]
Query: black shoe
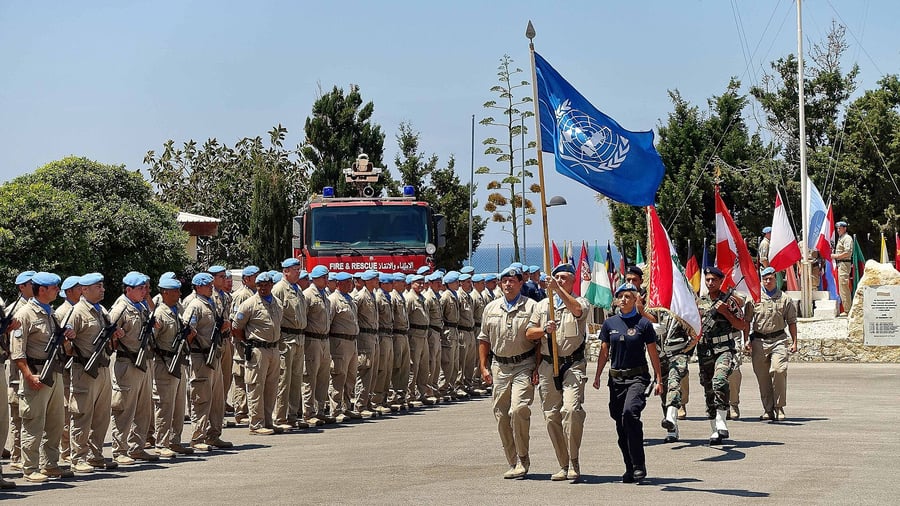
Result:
[639,474]
[667,424]
[628,477]
[671,439]
[715,440]
[723,434]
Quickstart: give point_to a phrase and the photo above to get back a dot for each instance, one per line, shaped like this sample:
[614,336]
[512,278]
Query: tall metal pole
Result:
[554,350]
[524,209]
[471,188]
[805,270]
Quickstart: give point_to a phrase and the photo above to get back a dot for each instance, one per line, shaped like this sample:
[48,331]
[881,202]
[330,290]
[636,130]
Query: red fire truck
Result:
[388,234]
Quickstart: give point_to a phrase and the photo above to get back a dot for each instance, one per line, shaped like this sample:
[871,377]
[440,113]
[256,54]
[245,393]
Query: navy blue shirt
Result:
[627,338]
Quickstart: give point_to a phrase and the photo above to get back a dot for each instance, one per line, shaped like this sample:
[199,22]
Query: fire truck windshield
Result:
[386,228]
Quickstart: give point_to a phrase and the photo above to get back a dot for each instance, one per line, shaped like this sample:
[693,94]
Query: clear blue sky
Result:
[112,79]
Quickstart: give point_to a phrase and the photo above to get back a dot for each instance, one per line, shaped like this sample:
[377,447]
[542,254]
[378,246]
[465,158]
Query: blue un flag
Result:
[590,147]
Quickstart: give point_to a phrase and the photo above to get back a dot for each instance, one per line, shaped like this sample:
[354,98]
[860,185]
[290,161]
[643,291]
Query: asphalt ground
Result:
[840,444]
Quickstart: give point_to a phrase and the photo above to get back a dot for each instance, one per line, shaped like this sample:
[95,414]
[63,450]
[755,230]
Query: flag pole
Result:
[554,350]
[805,268]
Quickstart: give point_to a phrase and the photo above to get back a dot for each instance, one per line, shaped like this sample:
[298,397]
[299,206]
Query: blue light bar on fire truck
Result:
[409,191]
[328,192]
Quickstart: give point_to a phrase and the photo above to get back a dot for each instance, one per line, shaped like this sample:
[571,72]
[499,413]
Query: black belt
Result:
[450,325]
[629,373]
[123,353]
[514,360]
[293,332]
[164,353]
[204,351]
[418,327]
[385,334]
[398,330]
[365,330]
[348,337]
[435,327]
[466,329]
[578,356]
[760,335]
[313,335]
[261,344]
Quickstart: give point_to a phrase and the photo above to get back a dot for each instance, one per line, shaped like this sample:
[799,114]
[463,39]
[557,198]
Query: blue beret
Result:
[467,270]
[304,274]
[434,276]
[277,277]
[90,279]
[318,271]
[417,277]
[357,275]
[423,270]
[534,268]
[465,276]
[478,278]
[766,230]
[399,276]
[45,279]
[841,224]
[510,271]
[409,278]
[368,275]
[69,282]
[715,271]
[490,276]
[543,277]
[201,279]
[331,276]
[625,287]
[250,270]
[264,277]
[440,272]
[215,269]
[169,274]
[517,265]
[135,278]
[767,271]
[342,276]
[564,268]
[24,277]
[169,284]
[450,277]
[290,262]
[385,278]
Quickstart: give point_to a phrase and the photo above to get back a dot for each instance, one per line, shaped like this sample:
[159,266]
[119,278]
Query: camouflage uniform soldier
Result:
[675,349]
[723,323]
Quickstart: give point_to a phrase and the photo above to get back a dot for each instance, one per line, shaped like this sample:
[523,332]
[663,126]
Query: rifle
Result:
[5,320]
[56,353]
[147,341]
[100,343]
[709,319]
[215,342]
[180,347]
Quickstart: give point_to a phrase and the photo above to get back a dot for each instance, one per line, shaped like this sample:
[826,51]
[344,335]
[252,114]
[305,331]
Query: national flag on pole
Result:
[582,273]
[669,288]
[897,251]
[623,262]
[790,277]
[884,253]
[590,147]
[571,253]
[704,291]
[610,266]
[638,254]
[556,257]
[823,246]
[599,292]
[859,266]
[692,270]
[783,249]
[817,213]
[732,255]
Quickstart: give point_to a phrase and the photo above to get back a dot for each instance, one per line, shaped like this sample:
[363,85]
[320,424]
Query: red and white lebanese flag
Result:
[669,288]
[732,255]
[783,248]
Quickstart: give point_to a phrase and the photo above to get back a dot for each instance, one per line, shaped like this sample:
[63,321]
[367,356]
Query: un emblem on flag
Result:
[586,143]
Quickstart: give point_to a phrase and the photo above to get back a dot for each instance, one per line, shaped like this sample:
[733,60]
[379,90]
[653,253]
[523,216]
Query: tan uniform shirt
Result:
[774,313]
[401,319]
[844,245]
[238,298]
[344,319]
[505,328]
[169,325]
[450,307]
[87,322]
[30,340]
[260,320]
[366,310]
[294,304]
[318,311]
[487,296]
[417,310]
[435,316]
[570,331]
[385,312]
[200,315]
[466,310]
[131,322]
[478,304]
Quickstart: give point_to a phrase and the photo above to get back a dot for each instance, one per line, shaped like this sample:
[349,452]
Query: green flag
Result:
[859,263]
[638,255]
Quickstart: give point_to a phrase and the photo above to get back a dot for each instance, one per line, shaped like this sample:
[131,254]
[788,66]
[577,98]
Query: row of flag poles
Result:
[593,149]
